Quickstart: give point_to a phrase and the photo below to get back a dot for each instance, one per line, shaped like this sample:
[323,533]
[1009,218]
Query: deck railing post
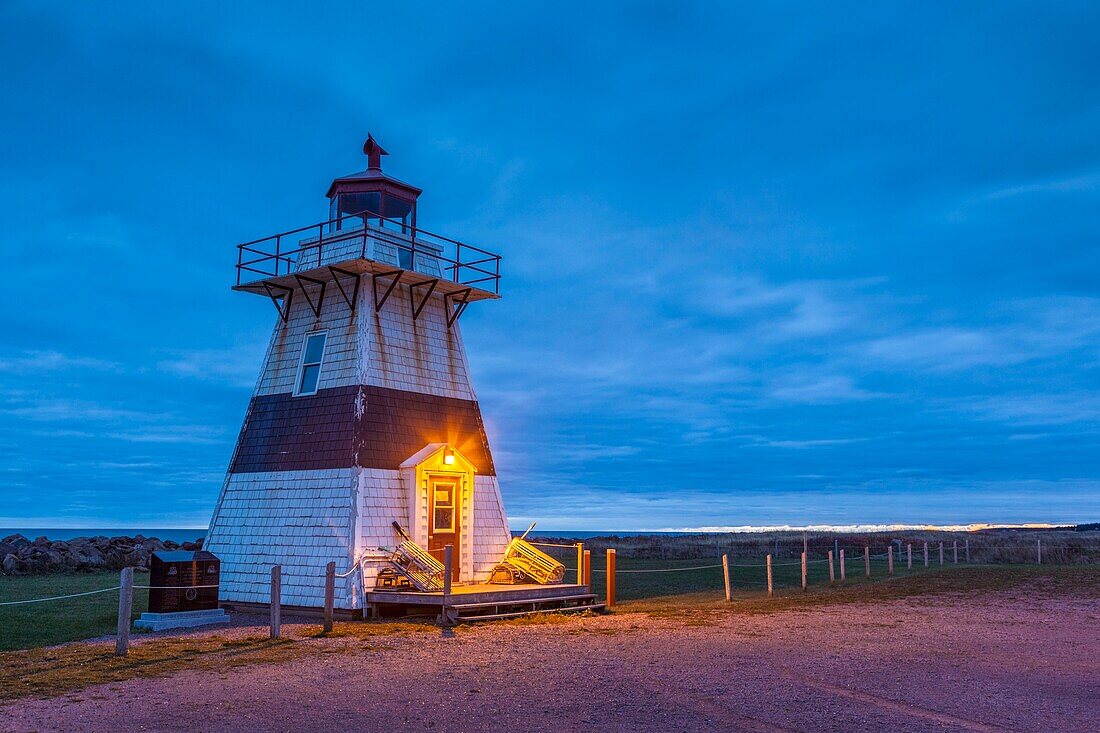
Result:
[276,600]
[588,568]
[330,595]
[125,603]
[610,577]
[448,564]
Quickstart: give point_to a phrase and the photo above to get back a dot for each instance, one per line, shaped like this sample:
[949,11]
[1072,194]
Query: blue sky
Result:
[763,265]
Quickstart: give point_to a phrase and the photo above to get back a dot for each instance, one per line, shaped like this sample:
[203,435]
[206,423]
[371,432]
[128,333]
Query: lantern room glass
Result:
[352,210]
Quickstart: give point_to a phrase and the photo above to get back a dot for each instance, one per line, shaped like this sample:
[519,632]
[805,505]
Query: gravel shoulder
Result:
[995,661]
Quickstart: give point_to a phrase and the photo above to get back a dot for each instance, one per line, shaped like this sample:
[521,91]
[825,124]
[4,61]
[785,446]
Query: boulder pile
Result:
[21,556]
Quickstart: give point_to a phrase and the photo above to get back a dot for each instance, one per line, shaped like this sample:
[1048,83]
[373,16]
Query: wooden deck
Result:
[484,602]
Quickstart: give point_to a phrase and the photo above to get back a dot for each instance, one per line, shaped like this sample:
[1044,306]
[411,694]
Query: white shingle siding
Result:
[301,520]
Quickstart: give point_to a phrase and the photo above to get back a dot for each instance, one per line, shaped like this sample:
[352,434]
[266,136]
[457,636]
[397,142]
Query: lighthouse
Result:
[363,414]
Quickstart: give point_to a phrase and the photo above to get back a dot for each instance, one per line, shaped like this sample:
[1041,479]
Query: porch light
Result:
[449,457]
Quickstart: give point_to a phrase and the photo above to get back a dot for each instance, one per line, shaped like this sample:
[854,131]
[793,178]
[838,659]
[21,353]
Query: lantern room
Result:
[372,197]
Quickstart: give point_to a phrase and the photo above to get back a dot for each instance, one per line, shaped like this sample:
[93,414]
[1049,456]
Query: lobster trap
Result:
[412,564]
[523,563]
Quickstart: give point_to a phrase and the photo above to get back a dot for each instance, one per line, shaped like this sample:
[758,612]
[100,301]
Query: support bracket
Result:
[424,301]
[352,298]
[286,295]
[316,308]
[460,300]
[396,275]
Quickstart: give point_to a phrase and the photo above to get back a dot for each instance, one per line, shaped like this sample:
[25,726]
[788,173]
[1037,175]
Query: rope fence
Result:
[899,558]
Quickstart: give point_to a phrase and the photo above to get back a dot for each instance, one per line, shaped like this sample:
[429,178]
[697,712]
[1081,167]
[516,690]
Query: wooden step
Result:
[517,614]
[522,602]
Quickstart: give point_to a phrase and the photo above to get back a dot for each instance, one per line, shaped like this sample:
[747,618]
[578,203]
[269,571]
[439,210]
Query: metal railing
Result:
[329,242]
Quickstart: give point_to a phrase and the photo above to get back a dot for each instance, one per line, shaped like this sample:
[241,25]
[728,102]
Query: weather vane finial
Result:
[374,153]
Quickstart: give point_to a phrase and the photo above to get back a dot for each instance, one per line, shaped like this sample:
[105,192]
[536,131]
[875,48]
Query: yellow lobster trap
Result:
[523,563]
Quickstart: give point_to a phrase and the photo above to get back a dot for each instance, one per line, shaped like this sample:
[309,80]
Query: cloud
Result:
[820,390]
[236,367]
[54,361]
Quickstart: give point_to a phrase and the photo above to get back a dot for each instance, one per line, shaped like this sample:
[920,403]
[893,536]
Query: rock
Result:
[16,539]
[12,564]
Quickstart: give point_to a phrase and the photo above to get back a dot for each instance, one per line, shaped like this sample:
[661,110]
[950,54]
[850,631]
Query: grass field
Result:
[55,622]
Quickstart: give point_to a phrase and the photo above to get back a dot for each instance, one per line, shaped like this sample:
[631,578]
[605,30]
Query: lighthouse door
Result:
[443,524]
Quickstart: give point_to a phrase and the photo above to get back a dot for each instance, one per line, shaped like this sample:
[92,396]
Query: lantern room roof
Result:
[372,179]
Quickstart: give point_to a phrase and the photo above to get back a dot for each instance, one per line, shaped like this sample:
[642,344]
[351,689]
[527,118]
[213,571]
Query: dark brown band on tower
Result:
[356,427]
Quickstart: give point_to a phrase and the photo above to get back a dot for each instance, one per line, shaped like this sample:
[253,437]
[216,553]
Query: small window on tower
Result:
[309,371]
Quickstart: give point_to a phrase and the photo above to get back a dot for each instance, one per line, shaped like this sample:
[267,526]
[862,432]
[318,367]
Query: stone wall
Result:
[21,556]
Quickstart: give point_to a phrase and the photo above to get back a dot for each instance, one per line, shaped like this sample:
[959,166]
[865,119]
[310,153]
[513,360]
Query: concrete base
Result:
[181,619]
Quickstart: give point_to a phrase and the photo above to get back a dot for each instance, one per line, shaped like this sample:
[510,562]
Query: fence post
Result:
[1039,551]
[610,577]
[125,603]
[925,554]
[967,542]
[588,567]
[726,576]
[832,569]
[890,559]
[276,600]
[954,552]
[804,568]
[941,553]
[580,563]
[842,574]
[909,555]
[330,595]
[867,560]
[769,561]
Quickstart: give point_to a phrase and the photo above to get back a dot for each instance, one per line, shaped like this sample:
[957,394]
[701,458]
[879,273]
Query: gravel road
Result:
[1007,661]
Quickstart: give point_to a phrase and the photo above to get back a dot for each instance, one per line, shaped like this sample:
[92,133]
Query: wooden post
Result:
[804,568]
[1039,551]
[967,542]
[805,544]
[610,577]
[588,567]
[867,560]
[890,559]
[842,574]
[925,554]
[954,552]
[726,576]
[580,563]
[941,553]
[448,568]
[125,604]
[769,561]
[909,556]
[832,570]
[330,595]
[276,600]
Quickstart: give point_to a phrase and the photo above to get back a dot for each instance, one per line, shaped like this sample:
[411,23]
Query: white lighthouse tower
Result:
[363,414]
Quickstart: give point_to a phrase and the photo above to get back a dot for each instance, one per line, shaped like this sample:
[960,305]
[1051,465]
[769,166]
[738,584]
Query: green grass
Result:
[55,622]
